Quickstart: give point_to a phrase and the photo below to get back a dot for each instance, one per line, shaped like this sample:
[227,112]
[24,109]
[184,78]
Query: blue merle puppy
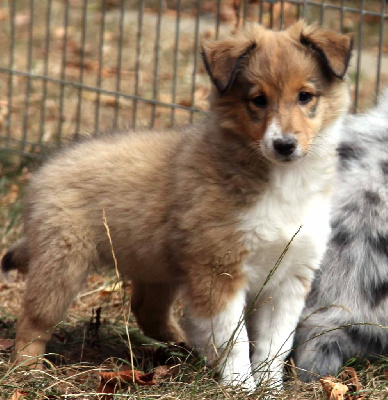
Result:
[352,285]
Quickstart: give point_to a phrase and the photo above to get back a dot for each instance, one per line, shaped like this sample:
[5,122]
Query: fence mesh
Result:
[70,67]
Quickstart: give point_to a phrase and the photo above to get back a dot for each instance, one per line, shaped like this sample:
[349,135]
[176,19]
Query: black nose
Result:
[285,146]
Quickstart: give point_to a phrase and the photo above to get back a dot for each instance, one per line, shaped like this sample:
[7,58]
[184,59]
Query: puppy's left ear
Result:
[332,48]
[223,59]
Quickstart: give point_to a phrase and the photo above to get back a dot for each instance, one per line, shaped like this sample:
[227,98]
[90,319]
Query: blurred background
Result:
[76,67]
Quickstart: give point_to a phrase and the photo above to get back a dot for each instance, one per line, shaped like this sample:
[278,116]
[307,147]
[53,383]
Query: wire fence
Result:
[72,67]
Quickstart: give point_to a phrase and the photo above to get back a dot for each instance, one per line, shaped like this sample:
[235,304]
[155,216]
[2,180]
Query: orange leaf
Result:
[327,385]
[128,376]
[334,390]
[111,380]
[338,391]
[107,388]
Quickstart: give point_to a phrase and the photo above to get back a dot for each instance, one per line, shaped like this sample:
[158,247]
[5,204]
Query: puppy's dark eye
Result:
[260,101]
[304,97]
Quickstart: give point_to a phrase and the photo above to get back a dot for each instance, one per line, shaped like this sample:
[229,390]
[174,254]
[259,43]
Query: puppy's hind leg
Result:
[151,304]
[57,272]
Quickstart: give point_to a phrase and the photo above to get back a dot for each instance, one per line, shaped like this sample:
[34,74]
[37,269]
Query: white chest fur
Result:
[298,197]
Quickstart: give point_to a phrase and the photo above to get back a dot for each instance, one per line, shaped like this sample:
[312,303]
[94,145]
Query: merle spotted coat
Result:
[349,296]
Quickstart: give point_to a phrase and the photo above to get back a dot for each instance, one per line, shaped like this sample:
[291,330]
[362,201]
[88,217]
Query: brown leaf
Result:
[349,377]
[6,344]
[18,394]
[334,390]
[111,380]
[106,388]
[327,385]
[138,377]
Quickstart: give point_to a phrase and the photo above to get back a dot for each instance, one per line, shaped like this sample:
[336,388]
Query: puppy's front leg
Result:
[272,320]
[222,337]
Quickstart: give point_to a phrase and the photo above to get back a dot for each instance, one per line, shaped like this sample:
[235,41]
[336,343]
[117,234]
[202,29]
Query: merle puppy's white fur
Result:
[354,272]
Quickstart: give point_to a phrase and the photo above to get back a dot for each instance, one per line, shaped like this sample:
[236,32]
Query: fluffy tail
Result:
[16,258]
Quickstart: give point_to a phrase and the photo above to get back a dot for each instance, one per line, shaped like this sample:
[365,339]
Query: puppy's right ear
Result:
[333,49]
[223,59]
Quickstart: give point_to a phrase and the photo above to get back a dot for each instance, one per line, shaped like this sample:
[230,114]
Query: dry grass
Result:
[83,345]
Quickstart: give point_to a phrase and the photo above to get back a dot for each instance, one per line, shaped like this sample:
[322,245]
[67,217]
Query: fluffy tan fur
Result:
[172,200]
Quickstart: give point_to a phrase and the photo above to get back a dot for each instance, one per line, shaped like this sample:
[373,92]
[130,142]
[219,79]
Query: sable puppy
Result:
[351,288]
[207,211]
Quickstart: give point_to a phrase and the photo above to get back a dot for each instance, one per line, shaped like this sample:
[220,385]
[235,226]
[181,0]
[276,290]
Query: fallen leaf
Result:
[327,385]
[131,376]
[107,388]
[334,390]
[112,380]
[349,377]
[338,391]
[18,394]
